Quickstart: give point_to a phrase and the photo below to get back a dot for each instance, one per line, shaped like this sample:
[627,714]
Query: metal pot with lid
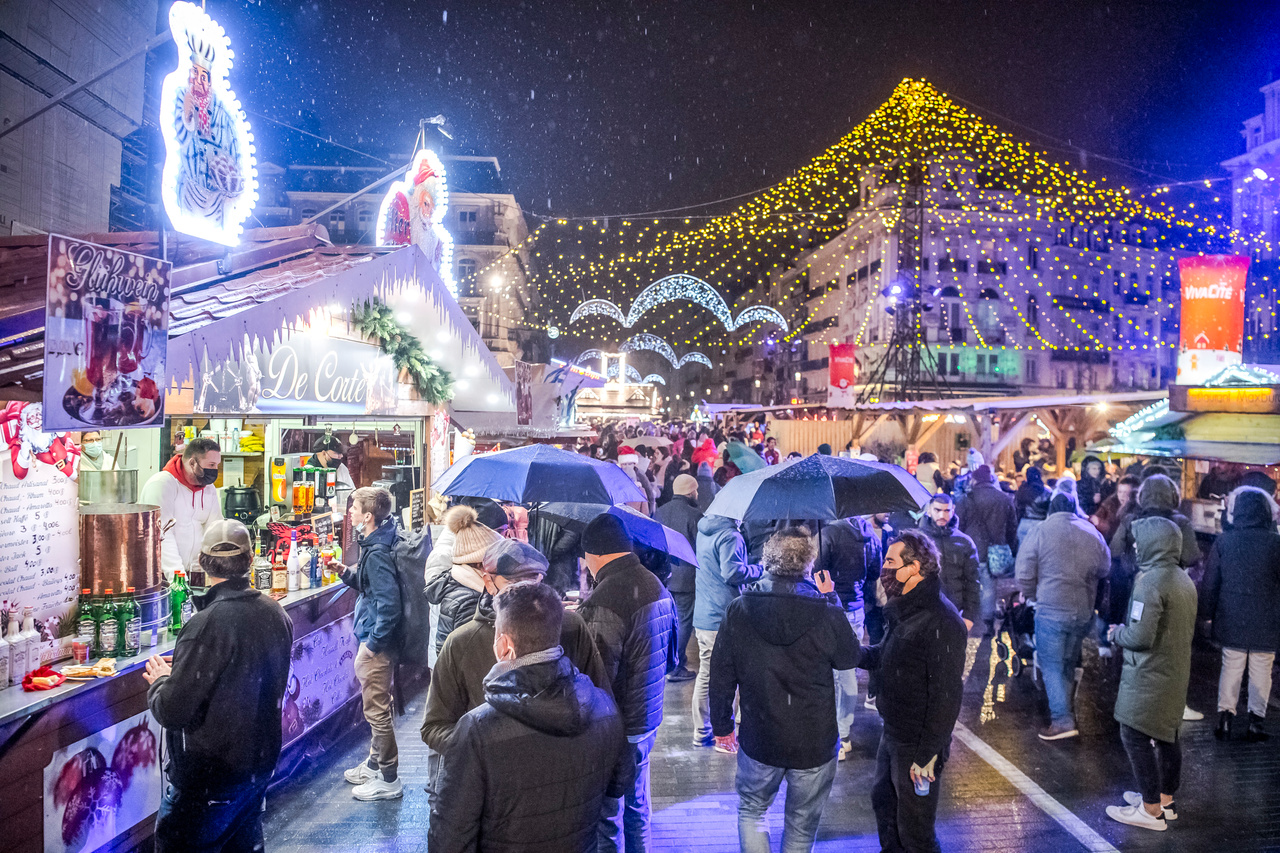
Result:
[242,503]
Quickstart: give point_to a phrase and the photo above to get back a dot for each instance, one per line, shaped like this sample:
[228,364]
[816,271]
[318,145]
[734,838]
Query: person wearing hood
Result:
[1058,568]
[1114,590]
[1031,501]
[707,488]
[922,657]
[962,482]
[723,569]
[987,517]
[1157,497]
[1242,586]
[682,515]
[188,503]
[530,769]
[1093,487]
[957,557]
[327,452]
[377,627]
[927,472]
[1156,639]
[777,645]
[458,590]
[92,456]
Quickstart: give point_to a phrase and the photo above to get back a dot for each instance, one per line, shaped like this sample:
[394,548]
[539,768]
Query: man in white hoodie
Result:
[188,503]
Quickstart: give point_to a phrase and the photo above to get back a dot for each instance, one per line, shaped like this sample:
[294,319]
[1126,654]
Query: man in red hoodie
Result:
[188,503]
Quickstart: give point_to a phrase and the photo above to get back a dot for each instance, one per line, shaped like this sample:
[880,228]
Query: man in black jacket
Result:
[924,650]
[219,704]
[682,515]
[957,557]
[377,622]
[777,646]
[529,769]
[633,620]
[988,517]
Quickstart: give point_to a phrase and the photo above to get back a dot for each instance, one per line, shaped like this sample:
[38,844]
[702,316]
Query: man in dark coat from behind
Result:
[987,516]
[529,769]
[682,515]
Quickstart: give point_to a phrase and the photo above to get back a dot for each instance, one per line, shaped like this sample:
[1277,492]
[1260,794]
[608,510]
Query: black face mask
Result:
[207,476]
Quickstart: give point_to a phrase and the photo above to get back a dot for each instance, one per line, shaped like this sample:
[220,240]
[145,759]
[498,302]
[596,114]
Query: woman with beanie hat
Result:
[458,590]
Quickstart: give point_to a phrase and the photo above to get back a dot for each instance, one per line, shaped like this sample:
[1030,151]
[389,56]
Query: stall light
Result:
[797,376]
[404,317]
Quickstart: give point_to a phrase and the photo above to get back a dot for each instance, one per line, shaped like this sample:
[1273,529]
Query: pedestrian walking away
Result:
[987,516]
[682,515]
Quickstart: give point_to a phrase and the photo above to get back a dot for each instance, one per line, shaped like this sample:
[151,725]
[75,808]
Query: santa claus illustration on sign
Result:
[413,213]
[22,425]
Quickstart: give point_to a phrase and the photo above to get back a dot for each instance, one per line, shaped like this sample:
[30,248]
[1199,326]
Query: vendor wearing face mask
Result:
[188,503]
[92,456]
[327,452]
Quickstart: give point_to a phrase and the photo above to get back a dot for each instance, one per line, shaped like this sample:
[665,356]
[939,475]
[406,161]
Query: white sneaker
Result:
[379,789]
[1190,715]
[846,747]
[1137,816]
[1133,798]
[870,704]
[359,775]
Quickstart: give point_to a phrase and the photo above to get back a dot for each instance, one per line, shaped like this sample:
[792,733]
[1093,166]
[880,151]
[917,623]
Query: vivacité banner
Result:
[1211,334]
[843,375]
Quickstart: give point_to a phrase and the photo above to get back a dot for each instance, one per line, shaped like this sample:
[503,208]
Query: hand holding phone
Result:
[823,581]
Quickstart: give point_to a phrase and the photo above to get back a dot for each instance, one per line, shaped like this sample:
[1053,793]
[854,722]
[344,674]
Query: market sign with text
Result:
[1243,399]
[843,375]
[106,333]
[304,374]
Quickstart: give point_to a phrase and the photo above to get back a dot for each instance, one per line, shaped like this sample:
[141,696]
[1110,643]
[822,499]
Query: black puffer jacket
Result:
[1031,501]
[457,602]
[528,770]
[959,566]
[988,518]
[221,706]
[1242,578]
[921,663]
[846,548]
[633,620]
[777,646]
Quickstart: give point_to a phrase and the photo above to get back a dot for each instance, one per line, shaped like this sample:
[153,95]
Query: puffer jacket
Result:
[1059,567]
[1031,501]
[1157,498]
[633,620]
[457,592]
[776,648]
[722,570]
[988,518]
[959,566]
[847,549]
[378,609]
[1242,578]
[1156,636]
[529,769]
[1093,491]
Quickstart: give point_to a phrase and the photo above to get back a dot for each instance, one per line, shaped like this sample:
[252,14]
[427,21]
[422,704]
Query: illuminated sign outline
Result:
[186,19]
[405,187]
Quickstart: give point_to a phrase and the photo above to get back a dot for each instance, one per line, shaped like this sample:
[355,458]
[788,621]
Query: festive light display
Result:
[678,287]
[210,181]
[653,343]
[633,375]
[413,212]
[655,379]
[588,355]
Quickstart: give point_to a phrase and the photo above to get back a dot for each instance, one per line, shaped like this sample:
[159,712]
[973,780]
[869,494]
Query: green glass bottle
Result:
[179,593]
[129,624]
[108,627]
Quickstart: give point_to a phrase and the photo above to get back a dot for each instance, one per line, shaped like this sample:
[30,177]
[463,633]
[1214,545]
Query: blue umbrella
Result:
[538,472]
[821,488]
[642,529]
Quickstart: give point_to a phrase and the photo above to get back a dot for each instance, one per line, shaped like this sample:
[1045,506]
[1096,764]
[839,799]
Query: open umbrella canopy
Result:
[821,488]
[538,472]
[745,458]
[642,529]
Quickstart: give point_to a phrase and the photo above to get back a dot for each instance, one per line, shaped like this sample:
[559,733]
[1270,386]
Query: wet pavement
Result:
[1003,789]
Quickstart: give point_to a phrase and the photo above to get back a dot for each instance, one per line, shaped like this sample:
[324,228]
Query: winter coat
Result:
[1157,498]
[707,488]
[1156,636]
[928,475]
[1242,578]
[988,518]
[457,680]
[632,618]
[1032,501]
[378,609]
[220,707]
[682,515]
[958,568]
[1059,565]
[921,663]
[457,592]
[846,549]
[722,570]
[190,512]
[529,769]
[776,648]
[1092,491]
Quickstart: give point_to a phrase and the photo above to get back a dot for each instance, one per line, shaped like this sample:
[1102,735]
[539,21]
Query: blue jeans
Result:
[807,792]
[624,821]
[228,821]
[1058,654]
[988,582]
[847,679]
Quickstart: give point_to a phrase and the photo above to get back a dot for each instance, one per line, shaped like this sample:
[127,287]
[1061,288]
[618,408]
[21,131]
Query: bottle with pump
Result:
[129,619]
[108,626]
[15,653]
[291,564]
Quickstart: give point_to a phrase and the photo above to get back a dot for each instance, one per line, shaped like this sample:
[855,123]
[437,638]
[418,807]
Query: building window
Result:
[1032,372]
[982,364]
[1033,312]
[364,218]
[467,284]
[1033,257]
[337,222]
[467,216]
[307,213]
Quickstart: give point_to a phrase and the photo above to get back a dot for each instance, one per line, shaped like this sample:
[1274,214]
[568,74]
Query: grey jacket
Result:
[1059,565]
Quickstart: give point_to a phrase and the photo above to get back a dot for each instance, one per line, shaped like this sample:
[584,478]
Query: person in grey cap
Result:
[457,682]
[219,703]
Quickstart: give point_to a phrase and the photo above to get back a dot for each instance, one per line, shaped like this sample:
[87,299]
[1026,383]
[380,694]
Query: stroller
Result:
[1016,635]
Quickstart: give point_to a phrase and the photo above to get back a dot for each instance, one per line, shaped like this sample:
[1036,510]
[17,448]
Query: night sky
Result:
[624,107]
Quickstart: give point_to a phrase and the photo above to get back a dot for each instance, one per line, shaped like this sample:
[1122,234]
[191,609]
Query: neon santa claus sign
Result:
[413,212]
[210,182]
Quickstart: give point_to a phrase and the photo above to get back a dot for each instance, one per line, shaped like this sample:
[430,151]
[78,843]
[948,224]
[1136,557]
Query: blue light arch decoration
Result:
[679,287]
[653,343]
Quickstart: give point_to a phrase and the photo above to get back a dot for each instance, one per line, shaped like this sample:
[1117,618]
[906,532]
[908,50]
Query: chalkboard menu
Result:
[322,525]
[416,517]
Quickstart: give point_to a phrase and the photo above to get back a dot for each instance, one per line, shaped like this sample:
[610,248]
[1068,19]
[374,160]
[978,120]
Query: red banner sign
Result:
[1212,325]
[843,376]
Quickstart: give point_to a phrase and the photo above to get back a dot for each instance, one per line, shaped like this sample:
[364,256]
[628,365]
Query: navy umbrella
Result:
[538,472]
[642,529]
[821,488]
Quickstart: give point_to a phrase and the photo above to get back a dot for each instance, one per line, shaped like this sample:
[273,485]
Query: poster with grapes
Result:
[106,334]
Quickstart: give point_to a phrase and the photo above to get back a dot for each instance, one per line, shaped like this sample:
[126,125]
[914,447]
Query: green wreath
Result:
[376,321]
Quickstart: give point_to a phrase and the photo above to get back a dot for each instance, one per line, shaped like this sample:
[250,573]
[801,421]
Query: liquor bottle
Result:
[15,653]
[261,571]
[292,563]
[179,593]
[188,601]
[129,617]
[108,627]
[86,626]
[315,565]
[279,573]
[31,637]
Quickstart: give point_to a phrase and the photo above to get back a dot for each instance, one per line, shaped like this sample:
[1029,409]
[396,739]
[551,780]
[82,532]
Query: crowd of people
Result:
[552,648]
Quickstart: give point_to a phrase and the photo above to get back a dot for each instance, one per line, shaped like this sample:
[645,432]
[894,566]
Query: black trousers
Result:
[1158,768]
[684,630]
[904,818]
[874,626]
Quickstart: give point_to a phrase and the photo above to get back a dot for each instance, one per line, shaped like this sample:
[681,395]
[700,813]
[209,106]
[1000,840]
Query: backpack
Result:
[410,553]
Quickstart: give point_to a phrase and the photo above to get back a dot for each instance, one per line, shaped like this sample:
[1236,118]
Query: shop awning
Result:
[1223,451]
[993,404]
